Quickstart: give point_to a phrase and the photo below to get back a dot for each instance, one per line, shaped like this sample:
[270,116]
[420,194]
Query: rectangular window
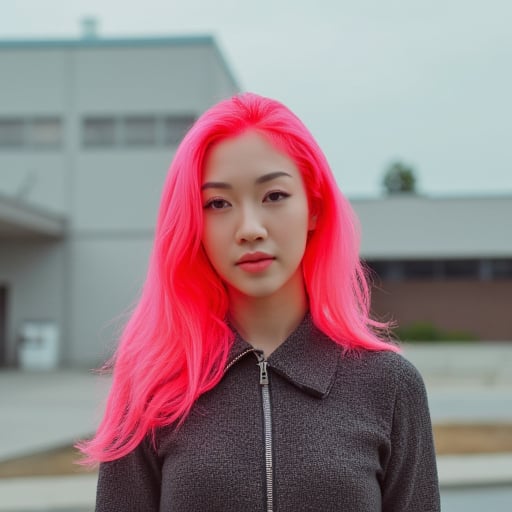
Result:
[387,269]
[45,132]
[139,131]
[99,132]
[420,269]
[12,133]
[134,130]
[378,267]
[474,269]
[501,269]
[457,269]
[175,128]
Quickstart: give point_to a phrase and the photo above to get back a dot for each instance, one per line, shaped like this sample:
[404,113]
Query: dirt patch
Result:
[455,439]
[56,462]
[450,439]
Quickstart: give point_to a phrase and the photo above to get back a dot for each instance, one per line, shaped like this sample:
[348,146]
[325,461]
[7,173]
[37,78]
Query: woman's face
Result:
[256,217]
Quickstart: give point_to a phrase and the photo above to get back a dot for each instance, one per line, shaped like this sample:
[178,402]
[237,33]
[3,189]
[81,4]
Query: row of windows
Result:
[39,132]
[97,132]
[104,132]
[481,269]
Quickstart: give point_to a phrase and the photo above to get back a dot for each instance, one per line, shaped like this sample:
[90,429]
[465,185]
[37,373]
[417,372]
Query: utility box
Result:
[39,345]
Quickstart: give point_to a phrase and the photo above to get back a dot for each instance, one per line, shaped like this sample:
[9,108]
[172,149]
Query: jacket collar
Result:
[307,358]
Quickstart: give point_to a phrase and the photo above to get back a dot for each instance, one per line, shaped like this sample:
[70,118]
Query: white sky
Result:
[426,82]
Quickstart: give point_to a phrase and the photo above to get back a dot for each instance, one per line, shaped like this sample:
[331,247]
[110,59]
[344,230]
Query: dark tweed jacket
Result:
[350,433]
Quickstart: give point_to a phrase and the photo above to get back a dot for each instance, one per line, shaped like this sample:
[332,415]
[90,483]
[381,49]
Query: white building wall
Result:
[422,227]
[107,275]
[119,188]
[116,191]
[33,273]
[143,79]
[37,177]
[110,195]
[35,83]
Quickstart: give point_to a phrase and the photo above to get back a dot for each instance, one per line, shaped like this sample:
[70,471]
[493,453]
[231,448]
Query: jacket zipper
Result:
[237,358]
[267,425]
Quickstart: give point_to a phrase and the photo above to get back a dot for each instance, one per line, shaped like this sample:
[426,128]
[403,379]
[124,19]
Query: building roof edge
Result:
[100,42]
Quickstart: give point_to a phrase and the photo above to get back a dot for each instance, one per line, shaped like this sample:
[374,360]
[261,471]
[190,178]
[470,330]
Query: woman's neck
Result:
[266,322]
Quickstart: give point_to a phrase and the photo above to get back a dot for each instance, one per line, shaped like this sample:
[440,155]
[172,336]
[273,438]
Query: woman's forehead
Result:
[248,155]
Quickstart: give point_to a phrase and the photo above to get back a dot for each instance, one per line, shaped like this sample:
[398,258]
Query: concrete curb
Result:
[475,470]
[78,492]
[48,493]
[487,364]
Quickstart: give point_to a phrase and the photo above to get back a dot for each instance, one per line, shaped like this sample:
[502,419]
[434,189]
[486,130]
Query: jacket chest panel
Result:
[326,452]
[320,450]
[217,454]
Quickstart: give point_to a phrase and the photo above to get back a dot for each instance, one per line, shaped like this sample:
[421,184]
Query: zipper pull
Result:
[263,372]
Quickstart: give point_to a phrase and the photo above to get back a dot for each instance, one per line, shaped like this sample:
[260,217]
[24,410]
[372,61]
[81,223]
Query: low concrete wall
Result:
[485,364]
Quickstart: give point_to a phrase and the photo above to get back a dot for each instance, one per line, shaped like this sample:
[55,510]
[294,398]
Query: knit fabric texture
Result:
[350,432]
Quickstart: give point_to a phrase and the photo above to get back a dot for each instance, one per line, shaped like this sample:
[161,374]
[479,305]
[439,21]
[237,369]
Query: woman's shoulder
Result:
[385,368]
[392,362]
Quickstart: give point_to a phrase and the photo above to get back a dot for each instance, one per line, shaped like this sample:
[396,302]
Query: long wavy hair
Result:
[176,342]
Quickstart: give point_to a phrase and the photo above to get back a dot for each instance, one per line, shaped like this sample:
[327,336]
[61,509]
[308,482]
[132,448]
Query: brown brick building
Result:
[441,261]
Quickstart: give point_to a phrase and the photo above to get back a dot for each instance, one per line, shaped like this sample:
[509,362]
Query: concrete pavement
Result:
[76,493]
[48,494]
[42,410]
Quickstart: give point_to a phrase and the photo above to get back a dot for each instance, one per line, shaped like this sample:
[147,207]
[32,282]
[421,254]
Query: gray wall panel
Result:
[118,189]
[107,274]
[35,177]
[35,276]
[110,195]
[34,81]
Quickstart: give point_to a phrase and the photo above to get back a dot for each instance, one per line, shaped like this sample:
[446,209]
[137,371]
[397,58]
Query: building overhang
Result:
[409,227]
[20,220]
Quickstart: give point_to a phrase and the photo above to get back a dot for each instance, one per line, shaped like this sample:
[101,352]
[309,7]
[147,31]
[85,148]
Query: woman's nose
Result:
[251,226]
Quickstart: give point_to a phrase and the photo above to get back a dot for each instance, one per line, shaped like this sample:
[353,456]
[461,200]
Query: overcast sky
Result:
[425,82]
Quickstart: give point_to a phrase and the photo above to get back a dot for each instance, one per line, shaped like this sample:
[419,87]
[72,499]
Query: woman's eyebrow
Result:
[215,184]
[261,179]
[271,176]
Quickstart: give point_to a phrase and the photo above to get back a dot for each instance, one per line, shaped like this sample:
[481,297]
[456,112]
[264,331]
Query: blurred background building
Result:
[443,266]
[88,128]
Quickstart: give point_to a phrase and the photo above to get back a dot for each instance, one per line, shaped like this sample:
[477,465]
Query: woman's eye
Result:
[273,197]
[216,204]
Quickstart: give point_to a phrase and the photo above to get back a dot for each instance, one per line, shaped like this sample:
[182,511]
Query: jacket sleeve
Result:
[410,480]
[131,483]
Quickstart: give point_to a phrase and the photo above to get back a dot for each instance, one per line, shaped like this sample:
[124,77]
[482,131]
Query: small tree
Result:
[399,178]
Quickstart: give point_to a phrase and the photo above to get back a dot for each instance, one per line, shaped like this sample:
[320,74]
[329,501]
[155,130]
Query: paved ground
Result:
[48,494]
[46,409]
[470,404]
[43,410]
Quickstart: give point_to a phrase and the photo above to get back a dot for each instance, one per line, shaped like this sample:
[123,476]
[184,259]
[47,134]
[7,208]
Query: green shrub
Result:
[425,331]
[459,336]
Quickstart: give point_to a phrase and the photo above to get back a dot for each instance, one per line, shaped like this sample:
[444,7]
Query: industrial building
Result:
[88,128]
[445,262]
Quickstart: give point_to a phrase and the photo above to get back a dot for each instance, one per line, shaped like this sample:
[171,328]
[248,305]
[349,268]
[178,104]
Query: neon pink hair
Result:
[176,343]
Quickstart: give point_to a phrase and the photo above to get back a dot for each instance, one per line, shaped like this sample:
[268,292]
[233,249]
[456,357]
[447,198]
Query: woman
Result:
[250,376]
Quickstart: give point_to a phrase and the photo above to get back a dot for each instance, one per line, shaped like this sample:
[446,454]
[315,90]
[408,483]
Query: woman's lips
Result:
[255,262]
[256,265]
